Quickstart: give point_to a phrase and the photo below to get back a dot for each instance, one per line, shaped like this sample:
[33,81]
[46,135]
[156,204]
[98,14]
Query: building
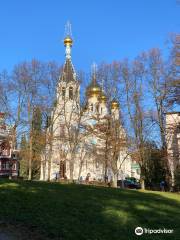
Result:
[9,165]
[83,140]
[135,170]
[173,142]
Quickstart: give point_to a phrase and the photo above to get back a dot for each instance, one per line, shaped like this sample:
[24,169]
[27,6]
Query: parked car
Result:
[128,184]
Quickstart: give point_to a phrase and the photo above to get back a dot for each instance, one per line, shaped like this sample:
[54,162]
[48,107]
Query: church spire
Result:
[68,73]
[93,72]
[93,89]
[68,42]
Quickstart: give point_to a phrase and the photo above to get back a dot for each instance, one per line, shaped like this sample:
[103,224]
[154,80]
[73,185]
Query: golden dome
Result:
[93,89]
[68,41]
[102,98]
[114,104]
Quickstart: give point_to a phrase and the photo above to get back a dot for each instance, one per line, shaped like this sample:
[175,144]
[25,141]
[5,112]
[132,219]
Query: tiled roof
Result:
[68,73]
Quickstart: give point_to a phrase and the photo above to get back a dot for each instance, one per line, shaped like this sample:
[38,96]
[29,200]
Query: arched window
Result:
[91,107]
[63,92]
[101,110]
[71,93]
[97,108]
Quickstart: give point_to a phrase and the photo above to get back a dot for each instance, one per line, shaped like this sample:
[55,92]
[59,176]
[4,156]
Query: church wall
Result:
[66,114]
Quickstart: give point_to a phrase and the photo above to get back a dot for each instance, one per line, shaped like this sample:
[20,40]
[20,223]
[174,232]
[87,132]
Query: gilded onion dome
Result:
[114,104]
[93,89]
[68,41]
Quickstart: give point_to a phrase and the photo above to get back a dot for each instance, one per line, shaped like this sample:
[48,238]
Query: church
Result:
[84,140]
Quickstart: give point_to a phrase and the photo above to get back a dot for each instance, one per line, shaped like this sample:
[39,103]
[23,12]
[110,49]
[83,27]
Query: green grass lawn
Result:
[60,211]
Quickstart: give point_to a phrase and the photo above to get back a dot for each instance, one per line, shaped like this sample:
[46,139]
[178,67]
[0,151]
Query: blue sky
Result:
[103,30]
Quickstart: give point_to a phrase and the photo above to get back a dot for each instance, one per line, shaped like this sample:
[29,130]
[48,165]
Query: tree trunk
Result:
[71,168]
[142,184]
[172,181]
[114,183]
[49,163]
[42,170]
[80,169]
[30,158]
[10,169]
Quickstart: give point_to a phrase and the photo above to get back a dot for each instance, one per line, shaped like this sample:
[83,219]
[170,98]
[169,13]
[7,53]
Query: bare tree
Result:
[28,87]
[132,77]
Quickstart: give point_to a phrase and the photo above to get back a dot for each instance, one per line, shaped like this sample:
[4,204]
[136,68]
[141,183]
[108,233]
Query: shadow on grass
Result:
[61,211]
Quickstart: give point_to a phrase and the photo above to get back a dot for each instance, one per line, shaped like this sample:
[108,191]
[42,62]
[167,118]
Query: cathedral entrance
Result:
[62,169]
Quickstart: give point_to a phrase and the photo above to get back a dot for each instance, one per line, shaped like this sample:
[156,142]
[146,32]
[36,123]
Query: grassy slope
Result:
[85,212]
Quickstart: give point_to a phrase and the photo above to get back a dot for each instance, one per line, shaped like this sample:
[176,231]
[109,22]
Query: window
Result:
[71,93]
[62,131]
[4,165]
[91,107]
[101,110]
[97,108]
[63,92]
[7,165]
[14,166]
[97,164]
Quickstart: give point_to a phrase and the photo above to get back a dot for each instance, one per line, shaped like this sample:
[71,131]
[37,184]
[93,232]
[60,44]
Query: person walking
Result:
[162,186]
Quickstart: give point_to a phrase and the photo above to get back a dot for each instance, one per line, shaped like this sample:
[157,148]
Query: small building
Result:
[9,165]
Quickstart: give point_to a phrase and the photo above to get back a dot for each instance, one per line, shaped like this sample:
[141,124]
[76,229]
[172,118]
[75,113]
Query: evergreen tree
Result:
[37,141]
[155,170]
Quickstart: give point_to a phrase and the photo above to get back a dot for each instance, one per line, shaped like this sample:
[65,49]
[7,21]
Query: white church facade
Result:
[84,141]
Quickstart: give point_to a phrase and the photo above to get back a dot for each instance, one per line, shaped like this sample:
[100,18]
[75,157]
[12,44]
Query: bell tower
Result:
[65,114]
[68,97]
